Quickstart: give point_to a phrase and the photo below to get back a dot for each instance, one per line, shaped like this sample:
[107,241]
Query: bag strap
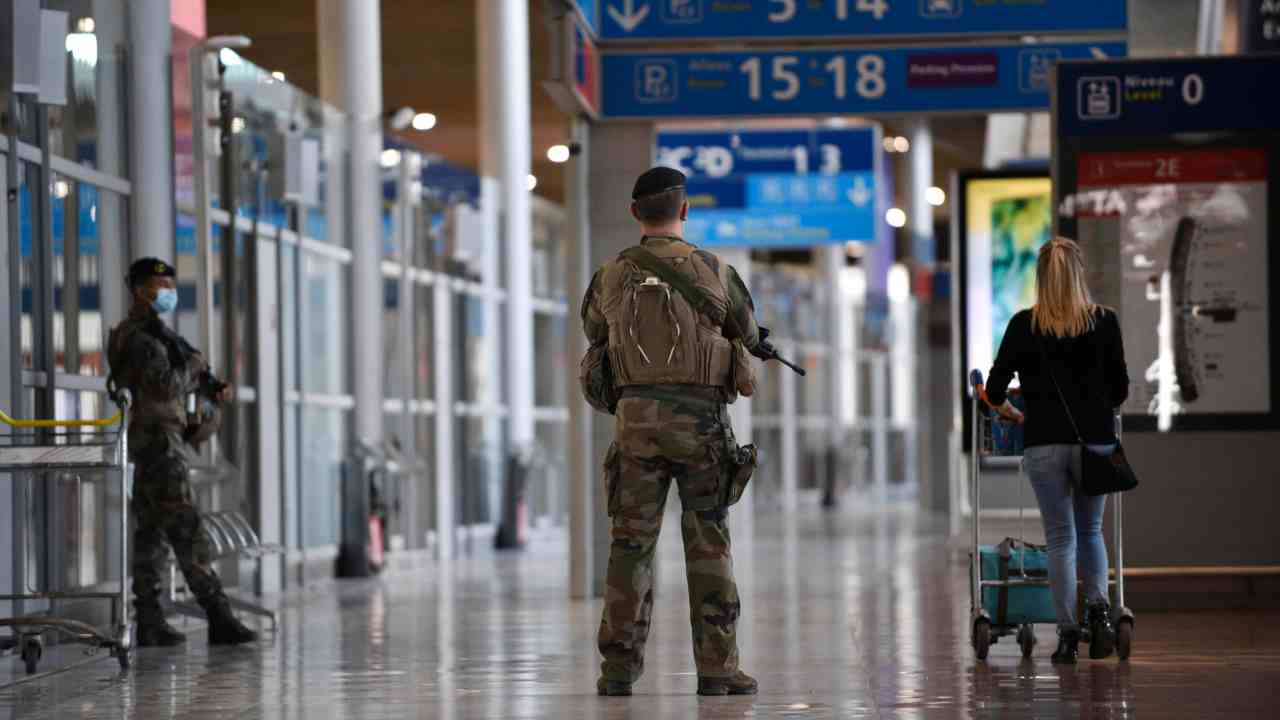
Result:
[699,299]
[1048,366]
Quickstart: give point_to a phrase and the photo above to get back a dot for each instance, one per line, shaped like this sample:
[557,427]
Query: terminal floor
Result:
[845,616]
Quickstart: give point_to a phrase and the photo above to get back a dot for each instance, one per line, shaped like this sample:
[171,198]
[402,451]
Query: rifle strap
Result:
[699,299]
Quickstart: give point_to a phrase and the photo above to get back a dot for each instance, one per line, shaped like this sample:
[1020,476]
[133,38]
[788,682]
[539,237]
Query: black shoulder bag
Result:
[1099,474]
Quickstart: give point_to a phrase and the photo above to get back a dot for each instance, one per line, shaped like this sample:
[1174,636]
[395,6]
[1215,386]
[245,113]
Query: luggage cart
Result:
[985,632]
[37,448]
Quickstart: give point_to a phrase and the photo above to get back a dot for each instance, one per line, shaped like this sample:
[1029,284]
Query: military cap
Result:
[142,270]
[657,181]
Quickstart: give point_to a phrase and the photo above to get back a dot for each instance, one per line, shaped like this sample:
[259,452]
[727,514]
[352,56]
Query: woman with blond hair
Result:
[1066,351]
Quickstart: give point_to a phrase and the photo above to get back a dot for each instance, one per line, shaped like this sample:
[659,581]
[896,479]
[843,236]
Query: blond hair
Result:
[1063,306]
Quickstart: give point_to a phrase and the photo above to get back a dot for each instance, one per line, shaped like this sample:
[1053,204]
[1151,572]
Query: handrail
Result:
[107,422]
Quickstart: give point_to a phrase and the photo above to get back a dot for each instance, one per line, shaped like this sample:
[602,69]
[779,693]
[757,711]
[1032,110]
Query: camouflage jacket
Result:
[739,324]
[159,369]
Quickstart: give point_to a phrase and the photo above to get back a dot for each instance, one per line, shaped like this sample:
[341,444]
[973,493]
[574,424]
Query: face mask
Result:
[166,301]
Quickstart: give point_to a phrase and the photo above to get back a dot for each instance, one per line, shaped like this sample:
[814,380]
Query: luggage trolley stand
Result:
[38,448]
[985,630]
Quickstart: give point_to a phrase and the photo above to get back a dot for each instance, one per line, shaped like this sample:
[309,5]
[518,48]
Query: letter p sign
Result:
[656,81]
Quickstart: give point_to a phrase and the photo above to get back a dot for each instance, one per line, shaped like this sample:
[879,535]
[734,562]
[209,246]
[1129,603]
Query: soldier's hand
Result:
[227,394]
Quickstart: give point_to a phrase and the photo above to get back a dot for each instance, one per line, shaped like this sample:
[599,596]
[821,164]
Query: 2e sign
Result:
[785,81]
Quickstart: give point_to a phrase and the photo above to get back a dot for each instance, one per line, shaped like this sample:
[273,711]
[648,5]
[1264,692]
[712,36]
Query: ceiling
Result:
[429,63]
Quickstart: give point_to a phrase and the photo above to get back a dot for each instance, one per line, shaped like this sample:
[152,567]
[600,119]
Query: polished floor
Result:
[845,616]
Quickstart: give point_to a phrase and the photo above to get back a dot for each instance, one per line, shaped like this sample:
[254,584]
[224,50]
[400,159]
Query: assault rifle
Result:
[766,352]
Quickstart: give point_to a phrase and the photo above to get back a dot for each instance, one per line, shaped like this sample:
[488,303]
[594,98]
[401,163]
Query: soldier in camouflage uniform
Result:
[163,372]
[672,425]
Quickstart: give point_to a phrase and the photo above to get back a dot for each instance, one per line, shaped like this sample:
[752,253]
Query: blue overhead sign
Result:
[651,20]
[777,188]
[590,11]
[1163,97]
[967,78]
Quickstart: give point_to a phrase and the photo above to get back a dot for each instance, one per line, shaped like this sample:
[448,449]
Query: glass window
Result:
[326,339]
[324,439]
[551,386]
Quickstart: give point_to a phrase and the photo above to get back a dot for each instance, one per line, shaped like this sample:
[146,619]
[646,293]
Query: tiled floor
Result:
[854,615]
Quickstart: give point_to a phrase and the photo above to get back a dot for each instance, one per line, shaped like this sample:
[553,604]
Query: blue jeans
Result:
[1072,527]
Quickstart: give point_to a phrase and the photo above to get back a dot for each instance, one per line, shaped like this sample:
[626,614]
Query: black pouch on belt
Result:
[741,469]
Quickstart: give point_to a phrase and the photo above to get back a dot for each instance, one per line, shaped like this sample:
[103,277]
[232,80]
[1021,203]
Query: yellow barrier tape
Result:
[108,422]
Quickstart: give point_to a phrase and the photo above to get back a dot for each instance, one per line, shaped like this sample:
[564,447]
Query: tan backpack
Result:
[656,335]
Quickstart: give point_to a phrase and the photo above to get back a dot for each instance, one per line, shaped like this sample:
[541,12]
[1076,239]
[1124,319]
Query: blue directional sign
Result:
[967,78]
[777,188]
[590,11]
[1162,97]
[760,19]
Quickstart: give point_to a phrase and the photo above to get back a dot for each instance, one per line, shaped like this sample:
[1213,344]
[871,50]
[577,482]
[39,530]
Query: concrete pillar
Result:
[505,136]
[583,517]
[150,121]
[619,153]
[920,179]
[350,49]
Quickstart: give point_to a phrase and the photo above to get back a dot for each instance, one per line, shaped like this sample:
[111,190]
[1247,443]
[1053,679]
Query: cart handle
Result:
[107,422]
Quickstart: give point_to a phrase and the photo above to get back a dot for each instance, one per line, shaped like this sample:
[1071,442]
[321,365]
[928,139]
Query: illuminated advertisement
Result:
[1003,222]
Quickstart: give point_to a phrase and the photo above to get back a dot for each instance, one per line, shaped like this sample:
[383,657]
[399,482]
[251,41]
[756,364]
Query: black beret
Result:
[656,181]
[146,268]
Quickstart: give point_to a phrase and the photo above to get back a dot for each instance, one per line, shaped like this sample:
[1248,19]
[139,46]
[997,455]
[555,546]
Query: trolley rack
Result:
[38,448]
[985,455]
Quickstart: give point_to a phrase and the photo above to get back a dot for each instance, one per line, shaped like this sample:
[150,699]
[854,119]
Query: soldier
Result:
[164,374]
[674,337]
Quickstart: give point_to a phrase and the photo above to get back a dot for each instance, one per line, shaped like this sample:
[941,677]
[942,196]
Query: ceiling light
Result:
[935,196]
[424,121]
[229,57]
[901,144]
[558,153]
[61,189]
[278,75]
[86,25]
[531,182]
[895,217]
[390,158]
[237,125]
[888,144]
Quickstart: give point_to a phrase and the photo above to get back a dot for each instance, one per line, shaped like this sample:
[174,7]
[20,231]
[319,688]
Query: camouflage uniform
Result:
[665,433]
[146,358]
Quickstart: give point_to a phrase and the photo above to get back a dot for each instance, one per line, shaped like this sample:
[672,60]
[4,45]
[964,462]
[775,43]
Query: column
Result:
[505,136]
[619,154]
[831,261]
[150,120]
[582,461]
[350,49]
[920,179]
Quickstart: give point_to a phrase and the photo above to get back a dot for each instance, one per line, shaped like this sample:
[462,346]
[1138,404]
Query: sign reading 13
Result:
[785,10]
[869,84]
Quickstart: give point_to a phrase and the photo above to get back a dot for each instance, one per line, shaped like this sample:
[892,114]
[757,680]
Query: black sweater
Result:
[1090,370]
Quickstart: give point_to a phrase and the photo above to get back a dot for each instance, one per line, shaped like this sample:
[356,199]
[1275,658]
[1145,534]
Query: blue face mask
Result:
[166,301]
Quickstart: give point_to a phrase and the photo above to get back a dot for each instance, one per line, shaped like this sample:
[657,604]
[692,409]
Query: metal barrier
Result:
[49,446]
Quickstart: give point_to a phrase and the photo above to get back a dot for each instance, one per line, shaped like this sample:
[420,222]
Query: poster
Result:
[1006,222]
[1190,229]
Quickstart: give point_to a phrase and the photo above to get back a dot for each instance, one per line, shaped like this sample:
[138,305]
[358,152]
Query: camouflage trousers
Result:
[657,441]
[163,509]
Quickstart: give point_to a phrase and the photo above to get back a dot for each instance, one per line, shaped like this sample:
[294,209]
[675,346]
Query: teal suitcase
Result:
[1013,560]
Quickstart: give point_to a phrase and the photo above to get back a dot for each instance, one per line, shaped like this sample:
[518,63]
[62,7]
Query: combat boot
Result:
[613,688]
[1068,647]
[1102,634]
[740,684]
[224,627]
[155,631]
